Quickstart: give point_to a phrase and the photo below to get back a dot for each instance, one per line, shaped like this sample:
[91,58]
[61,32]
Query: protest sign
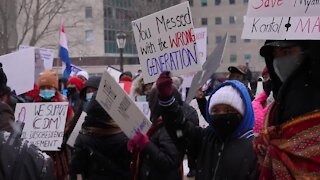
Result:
[120,107]
[282,19]
[144,107]
[44,123]
[201,38]
[43,60]
[209,67]
[19,69]
[76,130]
[114,73]
[166,42]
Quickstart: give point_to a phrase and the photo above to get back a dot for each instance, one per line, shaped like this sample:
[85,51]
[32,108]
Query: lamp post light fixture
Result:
[121,42]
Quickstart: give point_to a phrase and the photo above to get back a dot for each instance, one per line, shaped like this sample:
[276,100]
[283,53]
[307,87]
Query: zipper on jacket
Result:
[218,162]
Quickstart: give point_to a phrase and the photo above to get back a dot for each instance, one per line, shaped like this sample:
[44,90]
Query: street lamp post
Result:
[121,42]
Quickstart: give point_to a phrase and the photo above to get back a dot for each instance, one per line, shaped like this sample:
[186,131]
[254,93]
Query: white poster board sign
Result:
[114,73]
[19,69]
[144,107]
[76,130]
[201,38]
[46,55]
[166,42]
[282,19]
[120,107]
[44,123]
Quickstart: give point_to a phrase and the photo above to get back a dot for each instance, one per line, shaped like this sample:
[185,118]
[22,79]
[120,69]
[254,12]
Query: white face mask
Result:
[285,66]
[89,96]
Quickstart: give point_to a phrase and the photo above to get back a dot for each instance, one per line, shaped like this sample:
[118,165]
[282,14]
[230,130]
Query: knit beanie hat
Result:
[48,78]
[83,74]
[77,82]
[229,96]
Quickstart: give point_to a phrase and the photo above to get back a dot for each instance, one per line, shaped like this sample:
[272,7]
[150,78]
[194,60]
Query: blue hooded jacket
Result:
[244,130]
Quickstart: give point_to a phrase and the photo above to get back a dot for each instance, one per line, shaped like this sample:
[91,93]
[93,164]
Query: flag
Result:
[64,53]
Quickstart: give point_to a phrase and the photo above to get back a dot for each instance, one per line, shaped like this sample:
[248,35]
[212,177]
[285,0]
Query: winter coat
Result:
[260,111]
[232,158]
[160,159]
[20,160]
[60,158]
[6,117]
[100,150]
[104,157]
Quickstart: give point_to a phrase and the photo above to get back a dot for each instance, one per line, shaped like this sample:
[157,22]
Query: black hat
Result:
[4,89]
[270,44]
[241,69]
[93,82]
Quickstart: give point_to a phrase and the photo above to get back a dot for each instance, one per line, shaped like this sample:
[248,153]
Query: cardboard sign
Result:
[44,123]
[19,69]
[166,42]
[209,67]
[282,19]
[120,107]
[286,8]
[76,130]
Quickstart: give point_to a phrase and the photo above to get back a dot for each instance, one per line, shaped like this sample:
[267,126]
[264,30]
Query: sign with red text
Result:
[44,123]
[166,42]
[115,101]
[282,19]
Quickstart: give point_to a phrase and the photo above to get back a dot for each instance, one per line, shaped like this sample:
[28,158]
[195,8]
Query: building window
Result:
[204,21]
[232,19]
[218,39]
[232,1]
[233,39]
[204,2]
[191,2]
[247,58]
[89,35]
[88,12]
[218,20]
[245,1]
[217,2]
[233,58]
[247,40]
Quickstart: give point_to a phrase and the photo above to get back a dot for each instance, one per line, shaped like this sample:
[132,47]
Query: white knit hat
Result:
[229,96]
[84,74]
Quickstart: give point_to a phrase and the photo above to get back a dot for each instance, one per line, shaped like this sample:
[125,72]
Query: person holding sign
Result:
[224,150]
[290,137]
[48,86]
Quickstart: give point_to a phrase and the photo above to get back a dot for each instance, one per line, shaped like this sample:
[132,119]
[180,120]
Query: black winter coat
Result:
[20,160]
[216,159]
[161,159]
[101,157]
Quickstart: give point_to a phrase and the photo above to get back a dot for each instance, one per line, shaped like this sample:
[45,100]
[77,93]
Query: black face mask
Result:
[71,91]
[267,86]
[226,124]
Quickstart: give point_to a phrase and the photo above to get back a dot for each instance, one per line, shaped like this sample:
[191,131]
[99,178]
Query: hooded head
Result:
[238,119]
[91,86]
[294,69]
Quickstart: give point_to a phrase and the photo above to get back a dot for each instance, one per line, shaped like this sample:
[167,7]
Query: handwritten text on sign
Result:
[44,123]
[282,28]
[120,107]
[276,8]
[166,42]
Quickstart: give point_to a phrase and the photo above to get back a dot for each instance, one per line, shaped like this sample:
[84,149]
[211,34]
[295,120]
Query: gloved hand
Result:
[138,142]
[164,85]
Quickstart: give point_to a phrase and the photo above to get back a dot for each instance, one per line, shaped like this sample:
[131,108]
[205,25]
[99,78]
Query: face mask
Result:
[47,94]
[226,124]
[71,91]
[267,86]
[89,96]
[284,66]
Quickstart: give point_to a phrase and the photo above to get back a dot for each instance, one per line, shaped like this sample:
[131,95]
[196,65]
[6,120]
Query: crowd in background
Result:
[271,135]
